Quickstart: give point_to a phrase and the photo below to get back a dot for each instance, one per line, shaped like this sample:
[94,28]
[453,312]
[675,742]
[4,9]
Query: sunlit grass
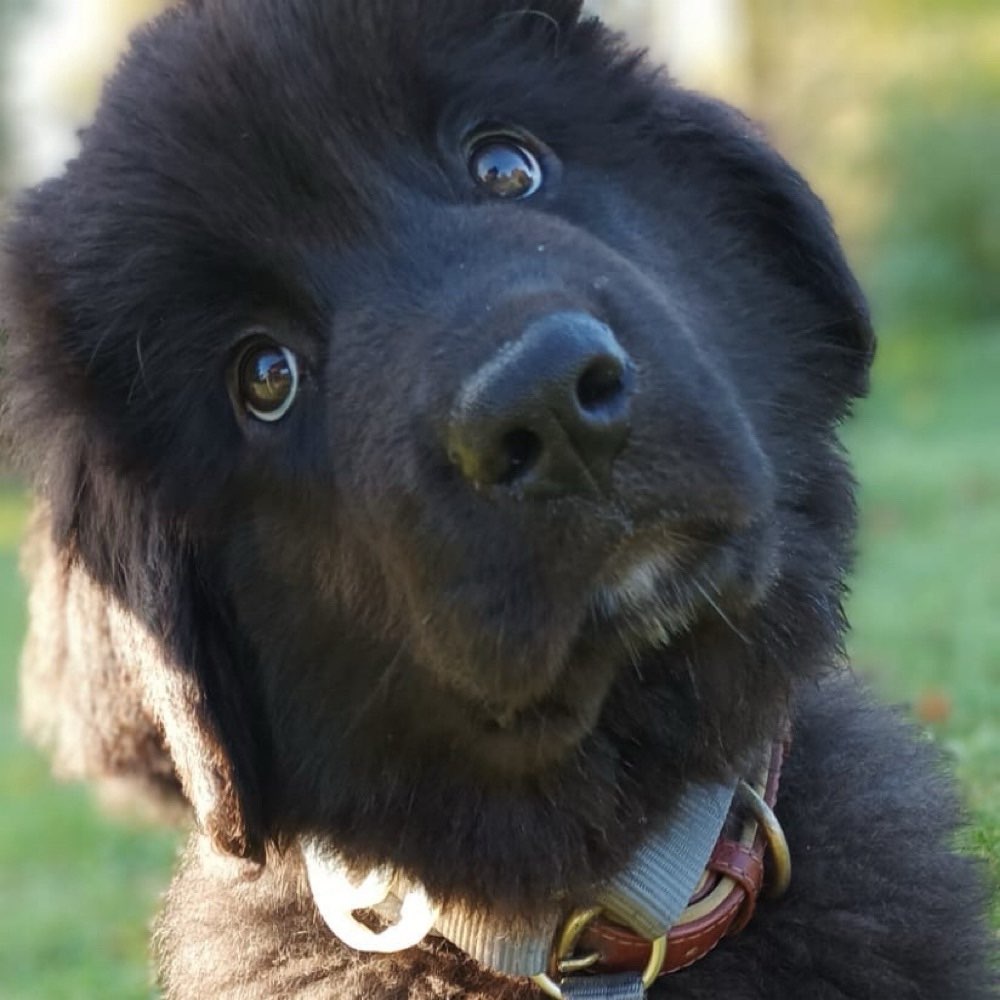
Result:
[12,516]
[78,889]
[926,606]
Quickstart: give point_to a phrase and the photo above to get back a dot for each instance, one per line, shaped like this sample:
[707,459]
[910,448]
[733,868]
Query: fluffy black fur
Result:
[878,907]
[468,685]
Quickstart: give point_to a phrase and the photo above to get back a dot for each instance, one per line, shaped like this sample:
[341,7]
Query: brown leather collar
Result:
[724,902]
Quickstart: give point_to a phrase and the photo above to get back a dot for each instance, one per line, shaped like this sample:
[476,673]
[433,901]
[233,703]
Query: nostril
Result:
[522,449]
[601,385]
[549,414]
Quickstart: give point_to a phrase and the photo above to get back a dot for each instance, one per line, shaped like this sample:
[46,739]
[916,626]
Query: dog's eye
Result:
[505,167]
[267,380]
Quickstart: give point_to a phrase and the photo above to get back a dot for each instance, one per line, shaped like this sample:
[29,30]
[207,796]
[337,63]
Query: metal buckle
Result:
[565,962]
[781,856]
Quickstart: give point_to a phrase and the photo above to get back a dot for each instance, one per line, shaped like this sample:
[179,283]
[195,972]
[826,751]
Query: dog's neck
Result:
[688,885]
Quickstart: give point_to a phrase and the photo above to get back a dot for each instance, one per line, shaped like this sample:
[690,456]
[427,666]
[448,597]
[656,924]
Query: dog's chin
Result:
[524,741]
[535,739]
[643,611]
[517,739]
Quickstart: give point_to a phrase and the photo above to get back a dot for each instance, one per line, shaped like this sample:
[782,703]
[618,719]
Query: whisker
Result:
[380,691]
[532,12]
[714,605]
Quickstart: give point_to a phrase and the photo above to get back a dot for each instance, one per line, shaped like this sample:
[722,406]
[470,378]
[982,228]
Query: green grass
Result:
[79,890]
[926,605]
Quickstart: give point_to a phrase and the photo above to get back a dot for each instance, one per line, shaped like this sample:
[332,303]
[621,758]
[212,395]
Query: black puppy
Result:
[443,404]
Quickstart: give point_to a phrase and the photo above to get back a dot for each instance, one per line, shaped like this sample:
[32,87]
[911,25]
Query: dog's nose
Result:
[547,415]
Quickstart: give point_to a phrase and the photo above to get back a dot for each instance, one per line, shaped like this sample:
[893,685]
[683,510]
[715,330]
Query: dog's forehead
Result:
[296,114]
[342,72]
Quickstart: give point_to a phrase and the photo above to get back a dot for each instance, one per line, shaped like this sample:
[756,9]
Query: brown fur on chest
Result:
[231,930]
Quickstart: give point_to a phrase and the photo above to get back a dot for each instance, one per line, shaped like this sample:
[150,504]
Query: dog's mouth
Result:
[530,738]
[645,606]
[535,738]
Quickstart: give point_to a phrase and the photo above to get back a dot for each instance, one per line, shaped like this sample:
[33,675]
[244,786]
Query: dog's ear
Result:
[204,732]
[777,219]
[81,701]
[113,695]
[124,617]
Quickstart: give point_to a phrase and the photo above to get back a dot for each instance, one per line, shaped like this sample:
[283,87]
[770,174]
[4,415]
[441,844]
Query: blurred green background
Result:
[892,109]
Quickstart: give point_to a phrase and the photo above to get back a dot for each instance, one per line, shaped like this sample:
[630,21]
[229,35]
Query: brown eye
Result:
[267,379]
[505,167]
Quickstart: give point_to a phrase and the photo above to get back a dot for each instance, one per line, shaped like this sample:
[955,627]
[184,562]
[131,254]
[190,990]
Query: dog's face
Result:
[454,398]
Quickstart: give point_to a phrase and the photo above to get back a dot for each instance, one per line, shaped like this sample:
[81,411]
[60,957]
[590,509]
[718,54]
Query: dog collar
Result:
[687,887]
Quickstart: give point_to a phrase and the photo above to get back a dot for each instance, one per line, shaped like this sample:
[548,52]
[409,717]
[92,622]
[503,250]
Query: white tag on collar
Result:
[338,896]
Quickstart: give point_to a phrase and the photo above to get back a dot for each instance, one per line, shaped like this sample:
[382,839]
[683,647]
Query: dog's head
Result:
[451,398]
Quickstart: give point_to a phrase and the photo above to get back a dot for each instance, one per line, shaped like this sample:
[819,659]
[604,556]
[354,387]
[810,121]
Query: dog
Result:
[433,411]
